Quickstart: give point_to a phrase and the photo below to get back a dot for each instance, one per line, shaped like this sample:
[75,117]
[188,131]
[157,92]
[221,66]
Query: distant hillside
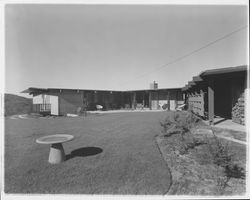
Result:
[16,105]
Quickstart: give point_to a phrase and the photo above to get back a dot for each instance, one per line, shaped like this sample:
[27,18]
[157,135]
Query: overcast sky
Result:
[118,47]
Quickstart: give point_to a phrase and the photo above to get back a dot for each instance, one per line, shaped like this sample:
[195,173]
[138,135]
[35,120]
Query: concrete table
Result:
[56,154]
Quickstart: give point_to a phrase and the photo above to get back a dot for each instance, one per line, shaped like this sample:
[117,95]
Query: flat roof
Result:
[214,72]
[226,70]
[33,89]
[152,89]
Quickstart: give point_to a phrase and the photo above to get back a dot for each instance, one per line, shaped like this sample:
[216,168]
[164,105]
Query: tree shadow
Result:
[84,152]
[235,171]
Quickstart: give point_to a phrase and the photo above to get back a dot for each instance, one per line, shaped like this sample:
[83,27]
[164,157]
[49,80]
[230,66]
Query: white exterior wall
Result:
[41,99]
[54,105]
[172,104]
[48,99]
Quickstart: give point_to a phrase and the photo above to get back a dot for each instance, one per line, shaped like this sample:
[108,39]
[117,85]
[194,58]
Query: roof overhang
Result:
[211,72]
[191,83]
[197,79]
[36,91]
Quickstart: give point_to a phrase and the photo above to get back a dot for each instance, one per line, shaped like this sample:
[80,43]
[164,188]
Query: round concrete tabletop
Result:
[54,139]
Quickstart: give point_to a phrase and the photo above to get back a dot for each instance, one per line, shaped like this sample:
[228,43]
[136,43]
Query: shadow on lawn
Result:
[84,152]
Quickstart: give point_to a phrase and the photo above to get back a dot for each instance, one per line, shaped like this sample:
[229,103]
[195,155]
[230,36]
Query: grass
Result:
[16,105]
[111,154]
[196,166]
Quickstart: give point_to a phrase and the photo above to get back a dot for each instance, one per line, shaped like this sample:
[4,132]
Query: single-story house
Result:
[59,101]
[218,92]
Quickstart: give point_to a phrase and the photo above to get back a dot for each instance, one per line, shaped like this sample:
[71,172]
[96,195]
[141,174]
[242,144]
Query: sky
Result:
[118,47]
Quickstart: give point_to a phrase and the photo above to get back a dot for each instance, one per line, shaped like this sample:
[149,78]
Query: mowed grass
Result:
[111,154]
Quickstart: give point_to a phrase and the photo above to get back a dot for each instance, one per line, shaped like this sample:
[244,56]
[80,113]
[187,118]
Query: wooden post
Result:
[143,100]
[157,93]
[185,97]
[59,104]
[82,98]
[168,100]
[211,101]
[176,99]
[149,101]
[133,100]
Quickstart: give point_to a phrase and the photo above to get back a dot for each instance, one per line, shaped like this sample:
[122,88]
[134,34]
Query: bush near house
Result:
[200,164]
[14,104]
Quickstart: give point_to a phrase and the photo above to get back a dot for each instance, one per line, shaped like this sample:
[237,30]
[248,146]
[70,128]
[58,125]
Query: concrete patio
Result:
[227,124]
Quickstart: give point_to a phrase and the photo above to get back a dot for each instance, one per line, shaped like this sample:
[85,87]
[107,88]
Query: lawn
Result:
[111,154]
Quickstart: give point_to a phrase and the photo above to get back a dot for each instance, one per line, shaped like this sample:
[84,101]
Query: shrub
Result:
[179,122]
[219,151]
[222,157]
[170,125]
[189,141]
[234,171]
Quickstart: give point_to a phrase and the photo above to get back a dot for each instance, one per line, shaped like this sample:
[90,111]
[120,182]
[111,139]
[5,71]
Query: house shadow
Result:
[220,121]
[84,152]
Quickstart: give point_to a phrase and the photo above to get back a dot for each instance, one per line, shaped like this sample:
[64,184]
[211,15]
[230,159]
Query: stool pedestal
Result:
[56,154]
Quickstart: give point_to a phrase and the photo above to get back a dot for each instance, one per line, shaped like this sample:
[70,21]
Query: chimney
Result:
[153,86]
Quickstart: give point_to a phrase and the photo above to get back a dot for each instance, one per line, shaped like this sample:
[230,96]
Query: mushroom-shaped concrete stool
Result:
[56,154]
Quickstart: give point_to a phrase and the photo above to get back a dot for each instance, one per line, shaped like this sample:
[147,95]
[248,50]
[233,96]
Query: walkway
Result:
[227,124]
[221,134]
[232,139]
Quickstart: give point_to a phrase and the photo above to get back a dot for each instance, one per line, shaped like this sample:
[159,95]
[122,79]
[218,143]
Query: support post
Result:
[134,100]
[59,104]
[158,106]
[56,154]
[143,100]
[150,101]
[168,100]
[211,101]
[176,99]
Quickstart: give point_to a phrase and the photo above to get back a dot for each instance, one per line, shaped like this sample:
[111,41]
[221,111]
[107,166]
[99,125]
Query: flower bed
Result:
[201,164]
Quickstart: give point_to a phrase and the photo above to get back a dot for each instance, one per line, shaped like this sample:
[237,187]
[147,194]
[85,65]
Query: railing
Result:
[39,108]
